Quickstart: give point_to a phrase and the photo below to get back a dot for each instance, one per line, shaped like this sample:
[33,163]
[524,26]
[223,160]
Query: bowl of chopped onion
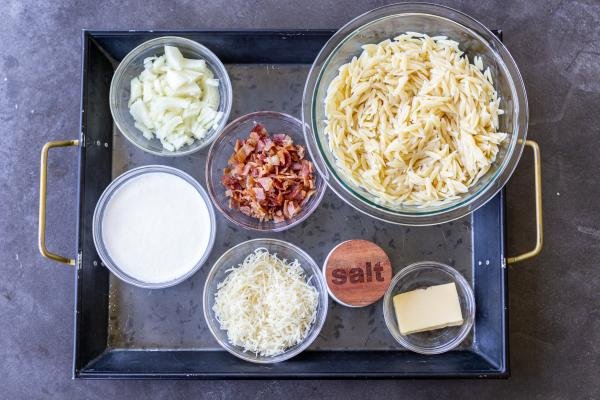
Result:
[259,174]
[170,96]
[416,114]
[265,300]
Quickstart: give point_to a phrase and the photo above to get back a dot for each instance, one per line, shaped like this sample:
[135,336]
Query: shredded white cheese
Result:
[265,304]
[175,99]
[412,122]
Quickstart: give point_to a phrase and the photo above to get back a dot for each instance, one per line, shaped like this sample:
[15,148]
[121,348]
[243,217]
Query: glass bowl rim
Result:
[220,71]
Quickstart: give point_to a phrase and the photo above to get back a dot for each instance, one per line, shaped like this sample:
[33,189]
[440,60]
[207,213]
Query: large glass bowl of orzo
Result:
[417,114]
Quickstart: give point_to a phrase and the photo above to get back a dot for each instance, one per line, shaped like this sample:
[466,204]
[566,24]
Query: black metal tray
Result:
[127,332]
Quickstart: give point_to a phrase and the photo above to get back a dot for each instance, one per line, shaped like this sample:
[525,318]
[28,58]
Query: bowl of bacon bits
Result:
[259,174]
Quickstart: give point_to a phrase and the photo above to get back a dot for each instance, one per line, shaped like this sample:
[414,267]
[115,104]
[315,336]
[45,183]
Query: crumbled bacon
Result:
[268,177]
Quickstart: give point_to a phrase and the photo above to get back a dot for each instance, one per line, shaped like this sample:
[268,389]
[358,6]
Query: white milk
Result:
[156,227]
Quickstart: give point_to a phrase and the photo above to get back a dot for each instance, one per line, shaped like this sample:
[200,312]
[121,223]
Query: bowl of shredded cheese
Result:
[265,300]
[416,114]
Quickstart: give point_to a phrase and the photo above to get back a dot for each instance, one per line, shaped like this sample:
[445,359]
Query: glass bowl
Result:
[422,275]
[385,23]
[221,150]
[235,256]
[133,64]
[114,186]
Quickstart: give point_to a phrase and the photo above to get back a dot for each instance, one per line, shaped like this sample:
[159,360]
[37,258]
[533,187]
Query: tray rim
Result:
[80,371]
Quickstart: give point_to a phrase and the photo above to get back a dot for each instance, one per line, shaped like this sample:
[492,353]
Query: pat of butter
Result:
[427,309]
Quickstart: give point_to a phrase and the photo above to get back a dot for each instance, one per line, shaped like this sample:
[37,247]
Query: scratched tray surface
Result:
[125,332]
[173,319]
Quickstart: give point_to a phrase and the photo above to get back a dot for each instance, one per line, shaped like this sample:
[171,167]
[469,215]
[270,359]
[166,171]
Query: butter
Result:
[428,309]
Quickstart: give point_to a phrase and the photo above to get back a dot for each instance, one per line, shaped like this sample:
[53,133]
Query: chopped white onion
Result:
[175,99]
[174,57]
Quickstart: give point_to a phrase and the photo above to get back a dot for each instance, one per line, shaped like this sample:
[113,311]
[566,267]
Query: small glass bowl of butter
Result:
[429,307]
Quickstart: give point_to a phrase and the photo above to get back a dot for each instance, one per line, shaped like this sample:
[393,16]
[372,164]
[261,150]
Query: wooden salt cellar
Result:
[357,272]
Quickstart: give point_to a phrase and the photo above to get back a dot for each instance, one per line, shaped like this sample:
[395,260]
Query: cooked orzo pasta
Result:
[412,121]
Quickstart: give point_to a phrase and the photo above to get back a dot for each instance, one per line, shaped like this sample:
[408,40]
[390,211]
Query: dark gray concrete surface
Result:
[554,298]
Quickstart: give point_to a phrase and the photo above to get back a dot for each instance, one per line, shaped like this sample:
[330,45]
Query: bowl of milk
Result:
[154,226]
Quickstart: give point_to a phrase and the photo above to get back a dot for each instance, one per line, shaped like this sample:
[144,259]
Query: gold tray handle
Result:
[539,226]
[42,214]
